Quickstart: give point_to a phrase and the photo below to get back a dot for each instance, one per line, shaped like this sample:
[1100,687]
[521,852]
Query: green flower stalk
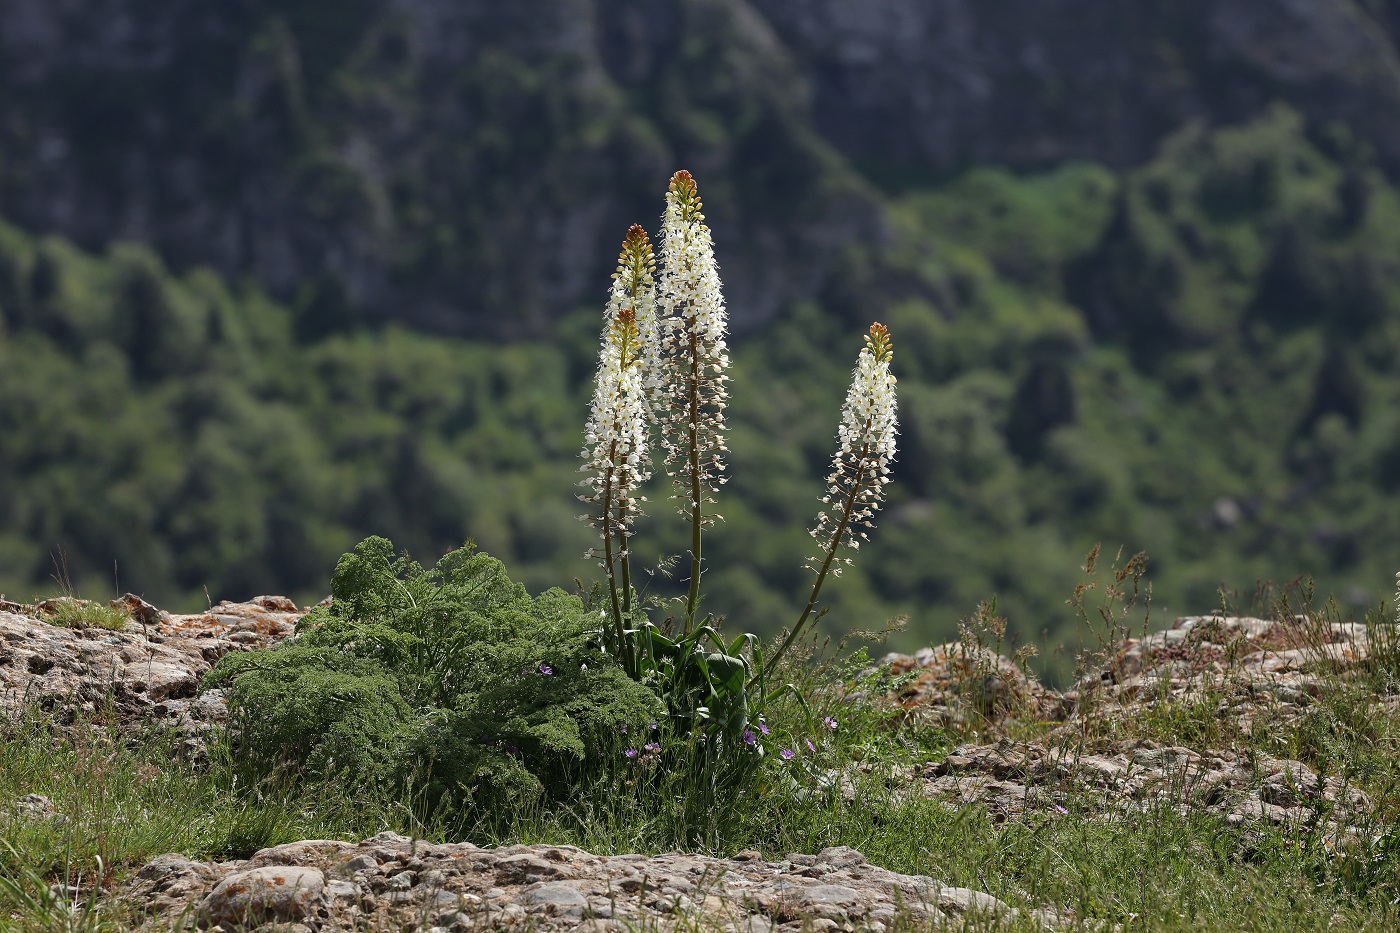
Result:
[859,471]
[693,358]
[615,441]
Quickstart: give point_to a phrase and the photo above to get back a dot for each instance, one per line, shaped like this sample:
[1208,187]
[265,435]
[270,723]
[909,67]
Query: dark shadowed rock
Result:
[945,83]
[393,159]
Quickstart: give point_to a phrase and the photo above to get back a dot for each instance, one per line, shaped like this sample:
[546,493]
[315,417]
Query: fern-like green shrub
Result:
[451,682]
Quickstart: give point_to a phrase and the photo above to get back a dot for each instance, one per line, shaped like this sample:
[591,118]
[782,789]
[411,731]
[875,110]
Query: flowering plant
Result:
[663,365]
[859,471]
[693,360]
[615,442]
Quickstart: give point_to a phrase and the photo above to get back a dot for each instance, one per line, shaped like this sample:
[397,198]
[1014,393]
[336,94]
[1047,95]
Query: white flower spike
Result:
[694,356]
[615,441]
[859,471]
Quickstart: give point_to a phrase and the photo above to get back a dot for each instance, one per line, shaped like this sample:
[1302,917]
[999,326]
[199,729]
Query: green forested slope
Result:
[1196,358]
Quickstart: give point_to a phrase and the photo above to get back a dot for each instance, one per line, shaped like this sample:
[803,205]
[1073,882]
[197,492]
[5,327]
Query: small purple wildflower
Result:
[631,753]
[749,737]
[652,746]
[546,670]
[763,727]
[810,747]
[785,755]
[653,727]
[1060,808]
[829,723]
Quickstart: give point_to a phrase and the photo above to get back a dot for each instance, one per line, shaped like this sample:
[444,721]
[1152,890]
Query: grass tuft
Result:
[71,612]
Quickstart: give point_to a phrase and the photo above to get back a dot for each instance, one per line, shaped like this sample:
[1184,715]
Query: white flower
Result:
[693,354]
[860,469]
[615,440]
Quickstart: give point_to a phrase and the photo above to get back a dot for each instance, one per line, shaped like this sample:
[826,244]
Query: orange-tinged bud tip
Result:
[687,195]
[635,262]
[683,183]
[625,326]
[878,340]
[624,335]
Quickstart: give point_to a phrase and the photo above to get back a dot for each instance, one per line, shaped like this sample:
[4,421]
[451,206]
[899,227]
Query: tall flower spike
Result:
[614,453]
[693,359]
[861,468]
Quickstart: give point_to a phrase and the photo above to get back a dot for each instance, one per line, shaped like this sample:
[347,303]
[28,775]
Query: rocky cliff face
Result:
[467,167]
[912,85]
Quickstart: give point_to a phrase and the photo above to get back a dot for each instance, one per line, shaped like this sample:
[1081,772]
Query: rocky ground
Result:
[148,671]
[1234,671]
[392,882]
[1243,669]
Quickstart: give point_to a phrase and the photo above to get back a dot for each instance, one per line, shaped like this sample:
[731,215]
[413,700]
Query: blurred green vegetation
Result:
[1196,358]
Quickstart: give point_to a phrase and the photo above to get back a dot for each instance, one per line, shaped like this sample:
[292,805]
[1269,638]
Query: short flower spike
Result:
[859,471]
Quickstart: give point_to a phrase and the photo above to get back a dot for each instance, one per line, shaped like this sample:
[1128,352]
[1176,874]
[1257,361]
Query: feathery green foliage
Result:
[451,681]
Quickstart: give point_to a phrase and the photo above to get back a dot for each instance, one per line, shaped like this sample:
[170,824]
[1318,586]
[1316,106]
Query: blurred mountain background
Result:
[278,275]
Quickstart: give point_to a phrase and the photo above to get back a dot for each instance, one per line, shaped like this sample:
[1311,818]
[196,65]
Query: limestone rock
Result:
[38,809]
[1012,779]
[948,683]
[459,886]
[259,895]
[150,669]
[393,882]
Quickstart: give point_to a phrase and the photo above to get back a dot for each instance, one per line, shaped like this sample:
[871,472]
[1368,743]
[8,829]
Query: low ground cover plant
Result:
[451,682]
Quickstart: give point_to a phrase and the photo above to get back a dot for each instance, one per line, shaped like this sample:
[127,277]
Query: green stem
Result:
[846,510]
[696,498]
[608,545]
[629,649]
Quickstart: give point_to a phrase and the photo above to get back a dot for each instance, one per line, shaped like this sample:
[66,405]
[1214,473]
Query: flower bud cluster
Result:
[694,353]
[860,470]
[615,441]
[634,287]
